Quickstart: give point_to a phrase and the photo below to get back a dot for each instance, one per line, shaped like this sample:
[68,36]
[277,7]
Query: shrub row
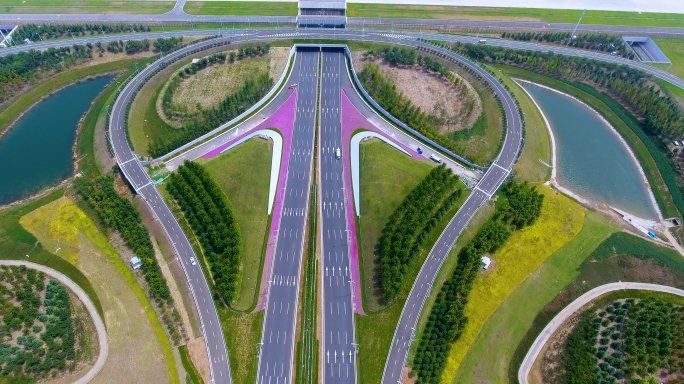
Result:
[409,227]
[35,32]
[213,221]
[118,213]
[447,319]
[593,41]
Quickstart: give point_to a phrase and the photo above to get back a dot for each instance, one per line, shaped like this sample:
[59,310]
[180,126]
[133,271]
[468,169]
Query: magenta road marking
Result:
[283,121]
[352,120]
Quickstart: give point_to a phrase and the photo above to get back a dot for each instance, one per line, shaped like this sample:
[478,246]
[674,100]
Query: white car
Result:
[192,261]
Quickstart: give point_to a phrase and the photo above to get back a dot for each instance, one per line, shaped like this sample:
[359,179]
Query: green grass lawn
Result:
[388,173]
[537,143]
[621,257]
[243,173]
[514,14]
[674,50]
[86,6]
[241,8]
[387,177]
[644,155]
[489,356]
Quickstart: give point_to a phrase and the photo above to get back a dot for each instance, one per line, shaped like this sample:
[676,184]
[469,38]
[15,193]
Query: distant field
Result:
[241,8]
[514,14]
[86,6]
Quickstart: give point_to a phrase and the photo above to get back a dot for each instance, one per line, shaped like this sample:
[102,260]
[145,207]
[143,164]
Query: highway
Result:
[338,357]
[276,357]
[576,305]
[495,175]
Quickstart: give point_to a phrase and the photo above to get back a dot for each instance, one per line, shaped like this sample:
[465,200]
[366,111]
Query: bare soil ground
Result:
[210,86]
[198,354]
[457,107]
[551,366]
[406,378]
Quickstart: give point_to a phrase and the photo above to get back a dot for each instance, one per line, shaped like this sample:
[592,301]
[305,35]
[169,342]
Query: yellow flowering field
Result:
[561,219]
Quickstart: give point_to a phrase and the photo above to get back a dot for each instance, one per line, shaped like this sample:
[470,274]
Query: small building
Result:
[135,262]
[485,262]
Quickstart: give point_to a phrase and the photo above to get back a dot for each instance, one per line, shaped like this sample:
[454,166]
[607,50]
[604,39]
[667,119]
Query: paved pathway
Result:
[557,321]
[99,324]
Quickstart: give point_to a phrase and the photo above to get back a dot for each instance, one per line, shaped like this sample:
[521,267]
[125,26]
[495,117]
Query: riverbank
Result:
[554,180]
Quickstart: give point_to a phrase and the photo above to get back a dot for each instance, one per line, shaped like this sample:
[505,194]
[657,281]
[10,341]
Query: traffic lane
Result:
[277,355]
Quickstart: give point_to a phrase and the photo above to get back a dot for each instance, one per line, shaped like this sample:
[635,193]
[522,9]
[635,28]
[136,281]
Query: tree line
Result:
[232,106]
[592,41]
[633,87]
[37,337]
[118,213]
[448,320]
[212,219]
[36,33]
[408,56]
[410,226]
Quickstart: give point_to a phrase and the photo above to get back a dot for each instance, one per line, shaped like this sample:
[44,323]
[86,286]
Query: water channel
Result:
[37,152]
[592,161]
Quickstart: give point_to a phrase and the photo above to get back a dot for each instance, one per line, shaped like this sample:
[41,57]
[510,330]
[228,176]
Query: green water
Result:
[38,151]
[592,161]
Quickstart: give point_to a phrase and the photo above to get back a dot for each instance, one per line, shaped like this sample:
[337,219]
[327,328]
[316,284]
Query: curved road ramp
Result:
[576,305]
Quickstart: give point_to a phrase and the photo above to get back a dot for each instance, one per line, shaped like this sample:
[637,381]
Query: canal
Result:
[38,151]
[592,161]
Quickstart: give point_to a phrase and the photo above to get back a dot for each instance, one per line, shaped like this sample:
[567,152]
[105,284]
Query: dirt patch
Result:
[407,377]
[198,354]
[452,101]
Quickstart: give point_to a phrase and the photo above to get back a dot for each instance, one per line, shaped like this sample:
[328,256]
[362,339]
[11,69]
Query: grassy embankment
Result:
[674,50]
[145,121]
[241,8]
[515,14]
[10,109]
[505,328]
[537,145]
[86,6]
[645,152]
[193,376]
[391,175]
[61,225]
[243,173]
[621,257]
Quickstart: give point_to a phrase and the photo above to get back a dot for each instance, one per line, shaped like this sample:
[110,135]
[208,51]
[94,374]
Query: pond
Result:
[38,151]
[592,161]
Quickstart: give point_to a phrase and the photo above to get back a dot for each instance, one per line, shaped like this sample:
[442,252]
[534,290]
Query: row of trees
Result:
[35,32]
[633,87]
[252,91]
[408,56]
[448,320]
[37,336]
[409,228]
[212,219]
[118,213]
[593,41]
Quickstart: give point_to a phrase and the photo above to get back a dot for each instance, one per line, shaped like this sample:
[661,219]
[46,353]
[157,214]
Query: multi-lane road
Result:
[280,361]
[276,358]
[338,355]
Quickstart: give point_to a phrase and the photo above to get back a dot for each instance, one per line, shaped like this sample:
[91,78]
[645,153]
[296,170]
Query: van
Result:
[338,153]
[435,159]
[482,41]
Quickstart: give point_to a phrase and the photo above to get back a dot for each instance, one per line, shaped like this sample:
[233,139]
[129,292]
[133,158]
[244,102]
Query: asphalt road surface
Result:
[576,305]
[143,185]
[137,176]
[177,15]
[339,351]
[276,358]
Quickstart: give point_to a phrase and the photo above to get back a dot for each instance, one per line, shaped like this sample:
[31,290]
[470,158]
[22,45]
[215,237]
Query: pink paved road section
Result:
[352,120]
[283,121]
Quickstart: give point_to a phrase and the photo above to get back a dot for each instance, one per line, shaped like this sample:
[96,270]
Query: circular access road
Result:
[576,305]
[80,293]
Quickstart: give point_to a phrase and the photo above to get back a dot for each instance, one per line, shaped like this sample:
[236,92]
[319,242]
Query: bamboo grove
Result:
[408,229]
[660,113]
[447,319]
[213,221]
[118,213]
